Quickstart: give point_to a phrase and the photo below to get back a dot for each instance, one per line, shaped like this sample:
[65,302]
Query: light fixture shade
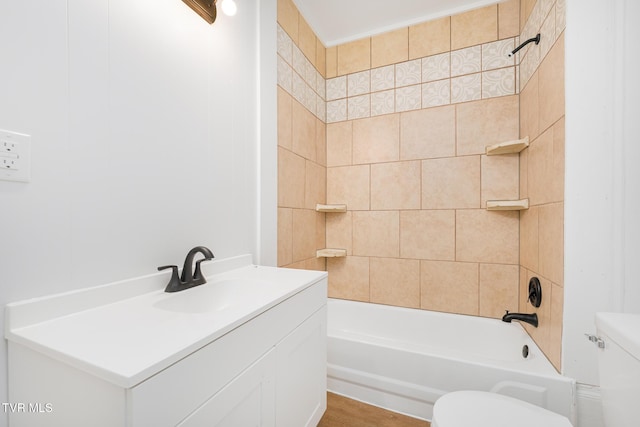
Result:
[229,7]
[205,8]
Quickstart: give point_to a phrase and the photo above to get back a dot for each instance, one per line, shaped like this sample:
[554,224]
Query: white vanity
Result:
[248,348]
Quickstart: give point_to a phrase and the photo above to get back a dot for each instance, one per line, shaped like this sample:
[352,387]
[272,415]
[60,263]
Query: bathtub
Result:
[404,359]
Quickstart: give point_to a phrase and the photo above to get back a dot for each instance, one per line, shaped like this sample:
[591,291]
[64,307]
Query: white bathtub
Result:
[404,359]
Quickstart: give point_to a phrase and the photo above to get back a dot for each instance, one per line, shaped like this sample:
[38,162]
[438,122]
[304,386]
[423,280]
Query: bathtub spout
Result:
[531,319]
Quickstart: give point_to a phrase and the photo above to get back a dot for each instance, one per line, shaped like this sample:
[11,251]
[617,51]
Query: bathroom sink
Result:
[214,296]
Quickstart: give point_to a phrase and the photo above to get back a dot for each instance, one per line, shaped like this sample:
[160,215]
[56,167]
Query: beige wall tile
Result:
[332,62]
[376,139]
[526,7]
[524,173]
[291,179]
[304,132]
[428,234]
[428,133]
[339,143]
[509,19]
[321,58]
[350,185]
[529,238]
[288,18]
[390,48]
[474,27]
[315,185]
[499,289]
[304,234]
[349,278]
[487,236]
[529,110]
[395,282]
[546,167]
[321,142]
[558,159]
[300,265]
[307,40]
[319,264]
[451,183]
[321,230]
[285,236]
[430,38]
[340,231]
[376,233]
[395,185]
[551,242]
[354,56]
[551,85]
[285,119]
[486,122]
[449,286]
[555,326]
[499,177]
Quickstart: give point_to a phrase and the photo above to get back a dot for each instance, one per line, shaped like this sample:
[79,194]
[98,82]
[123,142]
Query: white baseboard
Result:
[589,406]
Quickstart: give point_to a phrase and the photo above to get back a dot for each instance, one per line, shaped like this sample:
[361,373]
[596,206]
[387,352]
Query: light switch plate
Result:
[15,156]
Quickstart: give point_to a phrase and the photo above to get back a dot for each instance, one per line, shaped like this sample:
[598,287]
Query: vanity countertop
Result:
[128,331]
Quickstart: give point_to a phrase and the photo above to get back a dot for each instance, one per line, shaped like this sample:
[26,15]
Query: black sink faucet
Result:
[531,319]
[189,279]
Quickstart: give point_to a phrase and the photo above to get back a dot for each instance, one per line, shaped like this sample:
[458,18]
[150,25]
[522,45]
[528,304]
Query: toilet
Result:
[618,339]
[484,409]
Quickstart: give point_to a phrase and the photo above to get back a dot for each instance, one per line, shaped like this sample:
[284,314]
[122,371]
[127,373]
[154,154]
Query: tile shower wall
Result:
[409,114]
[301,141]
[542,111]
[398,125]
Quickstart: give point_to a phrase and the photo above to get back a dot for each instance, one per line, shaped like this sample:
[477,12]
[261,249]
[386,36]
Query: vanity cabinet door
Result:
[301,373]
[247,401]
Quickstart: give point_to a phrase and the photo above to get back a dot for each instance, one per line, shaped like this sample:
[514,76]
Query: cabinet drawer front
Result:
[168,397]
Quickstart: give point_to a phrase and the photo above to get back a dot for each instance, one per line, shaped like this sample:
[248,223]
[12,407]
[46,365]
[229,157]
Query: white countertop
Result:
[129,338]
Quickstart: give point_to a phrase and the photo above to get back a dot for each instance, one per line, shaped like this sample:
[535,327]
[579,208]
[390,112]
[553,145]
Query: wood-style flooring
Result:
[344,412]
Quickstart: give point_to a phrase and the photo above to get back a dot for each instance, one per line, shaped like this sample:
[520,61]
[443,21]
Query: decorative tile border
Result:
[478,72]
[473,73]
[548,18]
[298,76]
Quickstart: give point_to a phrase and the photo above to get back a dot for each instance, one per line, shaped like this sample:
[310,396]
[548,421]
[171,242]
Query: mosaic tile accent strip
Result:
[359,83]
[548,18]
[466,88]
[383,78]
[436,93]
[473,73]
[436,67]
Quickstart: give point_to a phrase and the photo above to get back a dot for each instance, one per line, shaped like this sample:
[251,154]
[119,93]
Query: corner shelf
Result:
[331,208]
[331,253]
[509,147]
[508,205]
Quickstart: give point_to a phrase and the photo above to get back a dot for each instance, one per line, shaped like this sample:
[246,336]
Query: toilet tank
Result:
[619,368]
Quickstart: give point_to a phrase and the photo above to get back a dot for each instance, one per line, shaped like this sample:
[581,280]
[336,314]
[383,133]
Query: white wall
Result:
[145,140]
[602,193]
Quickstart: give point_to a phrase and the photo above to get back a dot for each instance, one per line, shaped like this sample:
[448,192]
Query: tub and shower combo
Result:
[404,359]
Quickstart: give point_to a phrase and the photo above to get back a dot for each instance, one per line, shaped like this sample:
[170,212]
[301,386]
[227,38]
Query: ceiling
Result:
[340,21]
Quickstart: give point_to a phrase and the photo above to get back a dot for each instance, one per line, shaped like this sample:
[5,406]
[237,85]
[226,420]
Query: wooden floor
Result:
[344,412]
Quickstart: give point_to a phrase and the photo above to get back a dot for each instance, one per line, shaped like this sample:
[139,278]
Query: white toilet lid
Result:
[484,409]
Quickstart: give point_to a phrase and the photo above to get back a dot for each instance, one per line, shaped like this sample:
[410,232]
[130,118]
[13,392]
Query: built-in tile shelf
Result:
[508,205]
[331,253]
[509,147]
[331,208]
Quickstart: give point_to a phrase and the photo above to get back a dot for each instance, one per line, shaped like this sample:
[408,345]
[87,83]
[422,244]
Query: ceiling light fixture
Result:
[229,7]
[207,8]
